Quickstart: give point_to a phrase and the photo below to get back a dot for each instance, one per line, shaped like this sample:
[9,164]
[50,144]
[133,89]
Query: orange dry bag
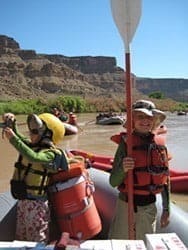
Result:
[71,195]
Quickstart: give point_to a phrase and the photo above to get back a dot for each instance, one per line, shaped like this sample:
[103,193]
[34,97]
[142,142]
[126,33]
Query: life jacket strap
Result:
[150,188]
[148,146]
[153,169]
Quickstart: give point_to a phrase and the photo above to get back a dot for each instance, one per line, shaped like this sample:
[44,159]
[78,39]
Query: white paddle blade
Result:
[126,14]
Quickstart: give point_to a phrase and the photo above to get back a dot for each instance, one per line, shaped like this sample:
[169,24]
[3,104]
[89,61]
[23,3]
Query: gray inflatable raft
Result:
[105,199]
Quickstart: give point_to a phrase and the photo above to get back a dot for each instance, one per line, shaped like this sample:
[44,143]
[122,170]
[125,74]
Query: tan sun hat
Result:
[148,108]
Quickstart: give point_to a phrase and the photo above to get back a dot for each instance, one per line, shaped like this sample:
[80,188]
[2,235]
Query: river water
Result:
[96,139]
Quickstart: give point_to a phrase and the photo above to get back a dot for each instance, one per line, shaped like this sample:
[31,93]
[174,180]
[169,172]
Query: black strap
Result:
[148,146]
[28,168]
[151,188]
[152,169]
[21,167]
[42,187]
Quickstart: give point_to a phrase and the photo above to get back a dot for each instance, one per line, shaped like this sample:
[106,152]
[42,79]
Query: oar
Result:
[89,122]
[126,14]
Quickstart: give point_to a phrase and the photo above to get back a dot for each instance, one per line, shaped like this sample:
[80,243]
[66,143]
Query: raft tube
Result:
[179,184]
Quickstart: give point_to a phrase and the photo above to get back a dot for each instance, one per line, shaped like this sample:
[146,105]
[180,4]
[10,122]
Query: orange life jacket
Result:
[151,166]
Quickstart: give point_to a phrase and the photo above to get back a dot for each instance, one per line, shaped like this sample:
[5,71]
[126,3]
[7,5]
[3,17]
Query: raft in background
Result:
[110,119]
[105,199]
[182,113]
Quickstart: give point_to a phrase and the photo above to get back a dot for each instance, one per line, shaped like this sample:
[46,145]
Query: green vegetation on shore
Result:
[79,105]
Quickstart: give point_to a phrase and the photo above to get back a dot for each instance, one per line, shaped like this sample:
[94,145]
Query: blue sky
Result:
[85,27]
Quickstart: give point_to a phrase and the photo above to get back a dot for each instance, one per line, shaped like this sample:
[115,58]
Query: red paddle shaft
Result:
[126,14]
[128,84]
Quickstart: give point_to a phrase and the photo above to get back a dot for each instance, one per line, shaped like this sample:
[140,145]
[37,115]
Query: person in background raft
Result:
[38,157]
[149,162]
[60,114]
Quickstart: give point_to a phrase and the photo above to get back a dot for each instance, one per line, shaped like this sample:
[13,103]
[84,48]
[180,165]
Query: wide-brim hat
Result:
[148,108]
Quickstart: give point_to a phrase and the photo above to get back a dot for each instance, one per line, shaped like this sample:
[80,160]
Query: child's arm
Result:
[44,156]
[118,174]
